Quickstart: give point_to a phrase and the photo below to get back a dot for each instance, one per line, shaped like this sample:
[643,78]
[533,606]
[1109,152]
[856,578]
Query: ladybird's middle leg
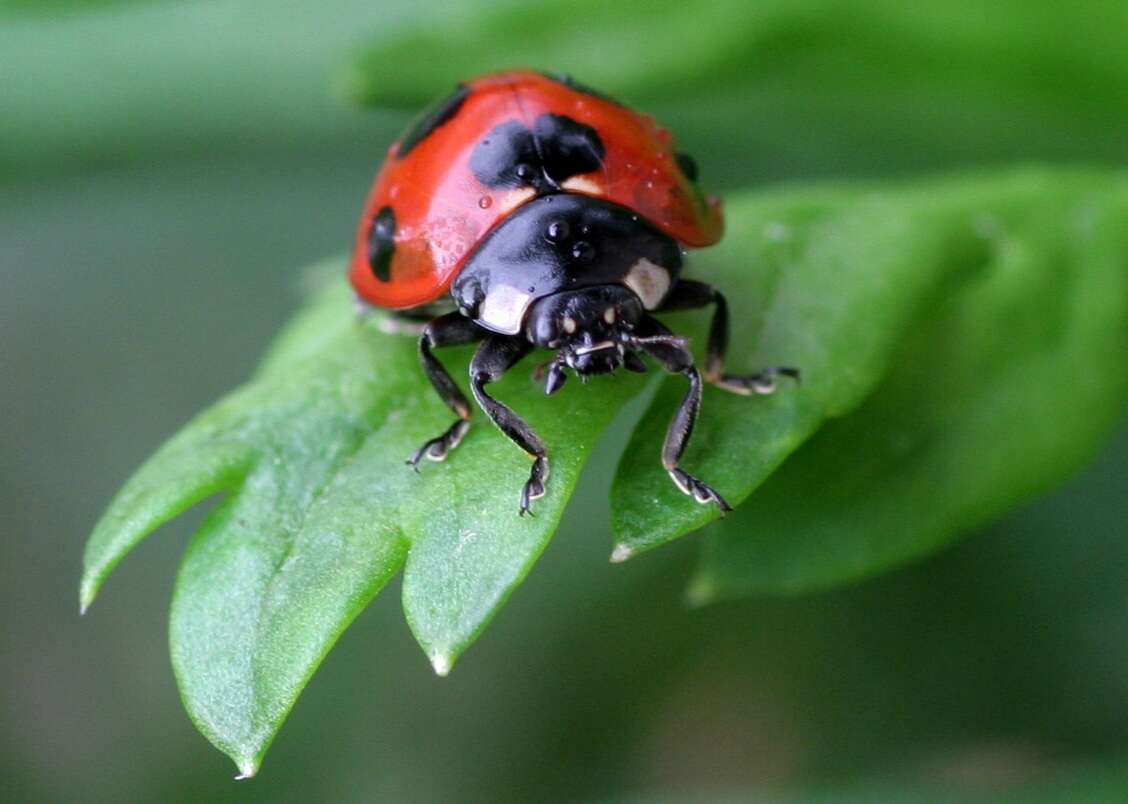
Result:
[494,357]
[688,294]
[452,329]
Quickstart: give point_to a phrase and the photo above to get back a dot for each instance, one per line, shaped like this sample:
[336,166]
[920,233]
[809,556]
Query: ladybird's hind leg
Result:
[687,295]
[497,355]
[674,356]
[452,329]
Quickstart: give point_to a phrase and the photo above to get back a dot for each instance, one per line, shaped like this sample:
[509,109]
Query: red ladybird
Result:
[554,217]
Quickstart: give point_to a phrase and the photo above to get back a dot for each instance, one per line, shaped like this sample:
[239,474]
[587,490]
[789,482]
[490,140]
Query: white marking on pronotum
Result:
[649,282]
[441,663]
[503,309]
[621,553]
[578,184]
[595,347]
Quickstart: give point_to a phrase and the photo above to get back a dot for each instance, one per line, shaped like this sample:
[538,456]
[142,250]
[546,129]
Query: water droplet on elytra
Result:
[485,201]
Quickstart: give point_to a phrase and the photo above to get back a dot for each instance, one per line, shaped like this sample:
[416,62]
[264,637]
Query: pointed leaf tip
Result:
[86,595]
[442,664]
[621,553]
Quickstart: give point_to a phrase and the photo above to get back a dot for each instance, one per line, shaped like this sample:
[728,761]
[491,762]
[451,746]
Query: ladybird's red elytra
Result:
[438,199]
[555,217]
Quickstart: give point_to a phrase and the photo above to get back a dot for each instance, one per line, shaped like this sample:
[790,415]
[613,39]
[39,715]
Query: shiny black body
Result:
[561,242]
[580,277]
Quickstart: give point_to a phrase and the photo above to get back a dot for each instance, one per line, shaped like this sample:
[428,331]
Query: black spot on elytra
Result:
[555,149]
[577,86]
[382,243]
[687,164]
[433,117]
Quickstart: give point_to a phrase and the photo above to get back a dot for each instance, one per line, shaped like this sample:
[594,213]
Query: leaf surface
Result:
[321,511]
[1012,284]
[1007,380]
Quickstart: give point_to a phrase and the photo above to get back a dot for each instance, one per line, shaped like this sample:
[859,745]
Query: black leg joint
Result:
[452,329]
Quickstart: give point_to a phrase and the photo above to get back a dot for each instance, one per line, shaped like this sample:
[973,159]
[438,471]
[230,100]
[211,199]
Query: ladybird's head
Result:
[589,328]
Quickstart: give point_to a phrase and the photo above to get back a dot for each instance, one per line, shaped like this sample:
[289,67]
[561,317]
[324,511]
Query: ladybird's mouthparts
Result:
[595,347]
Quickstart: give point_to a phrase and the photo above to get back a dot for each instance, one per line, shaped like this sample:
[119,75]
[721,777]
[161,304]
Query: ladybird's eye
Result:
[569,325]
[609,315]
[583,251]
[556,231]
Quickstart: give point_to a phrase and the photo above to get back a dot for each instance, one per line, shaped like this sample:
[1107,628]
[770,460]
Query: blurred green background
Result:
[168,168]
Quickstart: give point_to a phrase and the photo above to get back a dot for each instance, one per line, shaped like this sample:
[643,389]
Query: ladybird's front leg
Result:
[688,295]
[675,357]
[452,329]
[494,357]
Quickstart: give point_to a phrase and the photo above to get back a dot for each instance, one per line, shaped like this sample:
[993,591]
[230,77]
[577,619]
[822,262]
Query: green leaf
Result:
[997,305]
[321,511]
[1009,377]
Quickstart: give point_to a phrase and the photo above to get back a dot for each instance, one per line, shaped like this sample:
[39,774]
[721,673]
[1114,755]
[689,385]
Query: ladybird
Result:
[527,211]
